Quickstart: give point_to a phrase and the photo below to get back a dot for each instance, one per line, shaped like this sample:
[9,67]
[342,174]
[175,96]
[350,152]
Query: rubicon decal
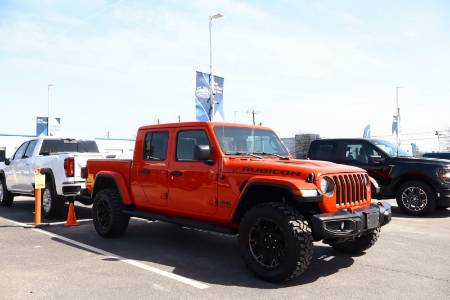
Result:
[271,171]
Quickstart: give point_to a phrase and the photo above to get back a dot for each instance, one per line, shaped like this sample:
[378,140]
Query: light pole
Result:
[398,116]
[439,141]
[211,79]
[48,107]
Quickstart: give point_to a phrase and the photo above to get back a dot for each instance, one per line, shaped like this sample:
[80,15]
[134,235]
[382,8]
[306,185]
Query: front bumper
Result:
[443,197]
[350,224]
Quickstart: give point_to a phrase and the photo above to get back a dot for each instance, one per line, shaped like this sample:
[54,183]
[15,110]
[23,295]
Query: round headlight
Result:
[327,186]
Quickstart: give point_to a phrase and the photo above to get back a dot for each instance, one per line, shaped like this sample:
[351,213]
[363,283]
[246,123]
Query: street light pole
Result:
[48,107]
[439,141]
[211,78]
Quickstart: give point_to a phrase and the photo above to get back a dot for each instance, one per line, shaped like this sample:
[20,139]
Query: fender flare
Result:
[119,182]
[292,187]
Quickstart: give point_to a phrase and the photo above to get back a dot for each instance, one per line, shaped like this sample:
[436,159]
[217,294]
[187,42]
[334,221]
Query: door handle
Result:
[145,171]
[175,173]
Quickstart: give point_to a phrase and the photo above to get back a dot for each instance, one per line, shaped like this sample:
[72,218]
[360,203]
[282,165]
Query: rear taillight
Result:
[69,167]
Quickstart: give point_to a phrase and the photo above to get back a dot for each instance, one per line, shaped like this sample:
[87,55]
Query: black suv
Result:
[419,184]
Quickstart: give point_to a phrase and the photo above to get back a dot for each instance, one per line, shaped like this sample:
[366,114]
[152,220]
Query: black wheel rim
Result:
[266,243]
[414,198]
[103,214]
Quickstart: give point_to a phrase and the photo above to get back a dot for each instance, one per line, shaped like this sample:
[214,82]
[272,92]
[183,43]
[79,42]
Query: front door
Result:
[151,171]
[15,170]
[358,153]
[192,184]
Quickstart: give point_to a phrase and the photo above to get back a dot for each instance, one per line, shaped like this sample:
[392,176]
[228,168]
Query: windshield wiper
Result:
[243,153]
[274,154]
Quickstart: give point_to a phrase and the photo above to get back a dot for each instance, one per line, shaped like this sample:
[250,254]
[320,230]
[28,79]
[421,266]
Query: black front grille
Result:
[350,189]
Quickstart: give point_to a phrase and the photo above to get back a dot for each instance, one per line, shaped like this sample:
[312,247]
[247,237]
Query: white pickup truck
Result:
[60,159]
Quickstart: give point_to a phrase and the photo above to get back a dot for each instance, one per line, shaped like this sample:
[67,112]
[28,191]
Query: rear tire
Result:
[52,205]
[416,198]
[359,244]
[109,220]
[275,242]
[6,198]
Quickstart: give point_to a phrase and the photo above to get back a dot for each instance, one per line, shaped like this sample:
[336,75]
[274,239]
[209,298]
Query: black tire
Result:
[283,228]
[6,198]
[416,198]
[109,220]
[359,244]
[52,205]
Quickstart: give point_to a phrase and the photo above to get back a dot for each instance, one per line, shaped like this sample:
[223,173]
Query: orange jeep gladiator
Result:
[238,179]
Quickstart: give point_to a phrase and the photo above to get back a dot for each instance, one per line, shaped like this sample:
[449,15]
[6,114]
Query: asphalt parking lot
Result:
[158,260]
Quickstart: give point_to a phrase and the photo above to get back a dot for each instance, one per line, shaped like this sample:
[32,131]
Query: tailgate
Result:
[81,160]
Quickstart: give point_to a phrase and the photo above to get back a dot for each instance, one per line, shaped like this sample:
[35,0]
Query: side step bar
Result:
[179,221]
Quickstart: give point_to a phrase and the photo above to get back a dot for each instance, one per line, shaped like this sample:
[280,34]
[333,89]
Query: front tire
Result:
[359,244]
[6,198]
[275,242]
[109,220]
[52,205]
[416,198]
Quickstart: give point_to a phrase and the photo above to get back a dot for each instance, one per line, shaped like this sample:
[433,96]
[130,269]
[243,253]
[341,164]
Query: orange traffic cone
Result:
[71,217]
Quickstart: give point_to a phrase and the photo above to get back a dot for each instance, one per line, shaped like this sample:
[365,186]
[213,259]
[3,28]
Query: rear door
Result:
[150,170]
[28,162]
[323,150]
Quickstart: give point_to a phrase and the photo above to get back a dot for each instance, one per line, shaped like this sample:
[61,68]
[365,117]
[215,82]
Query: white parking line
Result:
[64,222]
[185,280]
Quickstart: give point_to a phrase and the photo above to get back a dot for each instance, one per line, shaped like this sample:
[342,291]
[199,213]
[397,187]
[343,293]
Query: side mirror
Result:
[202,153]
[7,161]
[376,160]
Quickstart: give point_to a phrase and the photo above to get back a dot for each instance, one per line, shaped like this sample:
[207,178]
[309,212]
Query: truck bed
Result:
[121,166]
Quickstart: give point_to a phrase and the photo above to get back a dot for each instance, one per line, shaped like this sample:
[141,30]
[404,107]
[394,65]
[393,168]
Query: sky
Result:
[327,67]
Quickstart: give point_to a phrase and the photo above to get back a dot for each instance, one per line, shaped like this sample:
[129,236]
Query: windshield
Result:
[236,140]
[68,145]
[391,149]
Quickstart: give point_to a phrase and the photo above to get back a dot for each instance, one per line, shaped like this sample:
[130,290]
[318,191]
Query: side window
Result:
[187,140]
[371,151]
[30,149]
[359,152]
[155,145]
[21,151]
[324,150]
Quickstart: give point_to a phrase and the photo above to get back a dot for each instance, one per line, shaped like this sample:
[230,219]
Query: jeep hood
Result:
[292,167]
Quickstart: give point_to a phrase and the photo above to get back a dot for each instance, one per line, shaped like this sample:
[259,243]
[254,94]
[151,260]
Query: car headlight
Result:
[444,174]
[327,186]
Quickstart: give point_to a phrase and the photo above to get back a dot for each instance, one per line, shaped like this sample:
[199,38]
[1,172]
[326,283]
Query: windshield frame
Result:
[251,152]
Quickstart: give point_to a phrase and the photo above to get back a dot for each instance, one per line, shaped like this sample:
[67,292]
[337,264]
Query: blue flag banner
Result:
[395,125]
[366,133]
[203,107]
[42,126]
